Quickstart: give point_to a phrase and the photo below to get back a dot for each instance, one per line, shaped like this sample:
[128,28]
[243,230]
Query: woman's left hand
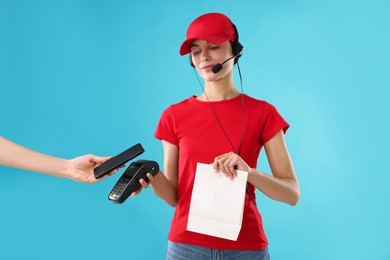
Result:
[228,163]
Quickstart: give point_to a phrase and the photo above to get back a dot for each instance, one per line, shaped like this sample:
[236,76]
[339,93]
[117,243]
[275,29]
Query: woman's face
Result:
[206,55]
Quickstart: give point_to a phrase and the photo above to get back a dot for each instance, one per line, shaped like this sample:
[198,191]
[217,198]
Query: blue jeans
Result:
[178,251]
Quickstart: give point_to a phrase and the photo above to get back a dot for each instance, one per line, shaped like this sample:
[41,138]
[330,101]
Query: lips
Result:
[208,67]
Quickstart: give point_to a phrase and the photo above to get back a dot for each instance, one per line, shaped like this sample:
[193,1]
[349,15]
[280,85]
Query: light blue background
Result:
[93,76]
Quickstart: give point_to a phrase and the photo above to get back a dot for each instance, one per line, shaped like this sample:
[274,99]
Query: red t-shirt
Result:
[192,126]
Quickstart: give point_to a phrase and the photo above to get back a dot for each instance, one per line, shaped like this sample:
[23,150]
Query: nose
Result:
[205,56]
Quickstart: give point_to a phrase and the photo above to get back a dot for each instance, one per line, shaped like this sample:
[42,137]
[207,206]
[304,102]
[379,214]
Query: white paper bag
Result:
[217,203]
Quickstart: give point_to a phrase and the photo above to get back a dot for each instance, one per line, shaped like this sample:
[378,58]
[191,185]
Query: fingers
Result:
[228,164]
[144,184]
[98,159]
[138,191]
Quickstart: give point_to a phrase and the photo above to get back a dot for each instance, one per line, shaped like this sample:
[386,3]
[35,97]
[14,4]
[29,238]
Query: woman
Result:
[228,129]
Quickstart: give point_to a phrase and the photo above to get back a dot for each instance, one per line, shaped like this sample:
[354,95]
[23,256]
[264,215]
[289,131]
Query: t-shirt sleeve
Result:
[273,122]
[166,128]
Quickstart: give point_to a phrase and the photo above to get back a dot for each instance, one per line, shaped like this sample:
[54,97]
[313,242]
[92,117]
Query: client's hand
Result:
[81,168]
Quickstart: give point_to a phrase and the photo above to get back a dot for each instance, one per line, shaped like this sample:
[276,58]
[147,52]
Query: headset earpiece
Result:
[236,45]
[192,64]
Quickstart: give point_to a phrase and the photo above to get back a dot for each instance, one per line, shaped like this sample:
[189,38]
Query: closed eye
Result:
[195,50]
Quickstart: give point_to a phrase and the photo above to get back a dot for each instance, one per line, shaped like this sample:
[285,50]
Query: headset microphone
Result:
[217,68]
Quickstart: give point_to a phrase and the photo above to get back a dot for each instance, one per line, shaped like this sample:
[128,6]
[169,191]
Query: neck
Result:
[222,89]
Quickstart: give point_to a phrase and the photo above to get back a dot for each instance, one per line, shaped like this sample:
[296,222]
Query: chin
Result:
[211,76]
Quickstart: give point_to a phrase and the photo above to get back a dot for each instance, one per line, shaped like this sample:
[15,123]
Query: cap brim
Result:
[185,48]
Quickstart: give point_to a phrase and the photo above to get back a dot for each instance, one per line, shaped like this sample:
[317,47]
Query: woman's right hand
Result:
[144,184]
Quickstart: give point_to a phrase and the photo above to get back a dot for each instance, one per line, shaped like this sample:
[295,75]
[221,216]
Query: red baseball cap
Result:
[212,27]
